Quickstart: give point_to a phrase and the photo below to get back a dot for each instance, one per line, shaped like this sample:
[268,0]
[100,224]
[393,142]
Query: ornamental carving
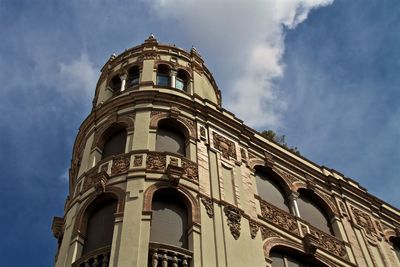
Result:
[253,228]
[137,160]
[234,217]
[328,200]
[269,160]
[289,178]
[243,153]
[208,204]
[173,161]
[278,217]
[267,233]
[155,162]
[202,132]
[328,243]
[226,146]
[342,208]
[120,165]
[94,179]
[190,170]
[362,219]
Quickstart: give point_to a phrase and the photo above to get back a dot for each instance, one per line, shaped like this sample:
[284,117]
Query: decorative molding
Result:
[278,217]
[224,145]
[253,228]
[120,164]
[343,209]
[289,178]
[208,204]
[190,170]
[362,219]
[173,161]
[268,233]
[234,216]
[57,227]
[243,153]
[202,132]
[269,160]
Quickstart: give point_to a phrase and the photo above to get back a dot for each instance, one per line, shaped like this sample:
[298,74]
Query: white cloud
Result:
[78,77]
[246,40]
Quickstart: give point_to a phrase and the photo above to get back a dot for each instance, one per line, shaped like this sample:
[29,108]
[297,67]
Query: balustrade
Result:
[98,258]
[161,255]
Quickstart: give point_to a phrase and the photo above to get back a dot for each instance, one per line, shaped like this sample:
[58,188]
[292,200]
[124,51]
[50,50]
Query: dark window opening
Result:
[169,223]
[163,78]
[115,144]
[133,76]
[292,259]
[396,245]
[181,80]
[115,83]
[100,227]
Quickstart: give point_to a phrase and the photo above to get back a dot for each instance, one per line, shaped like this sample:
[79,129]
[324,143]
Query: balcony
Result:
[98,258]
[168,256]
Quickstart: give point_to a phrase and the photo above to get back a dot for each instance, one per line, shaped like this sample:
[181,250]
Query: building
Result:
[162,175]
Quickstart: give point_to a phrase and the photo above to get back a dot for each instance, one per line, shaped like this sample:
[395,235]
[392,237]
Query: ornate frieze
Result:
[155,162]
[328,243]
[208,204]
[234,217]
[95,179]
[253,228]
[267,232]
[226,146]
[278,217]
[120,164]
[363,219]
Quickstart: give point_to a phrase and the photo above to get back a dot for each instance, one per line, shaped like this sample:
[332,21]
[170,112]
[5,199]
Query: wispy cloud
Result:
[249,39]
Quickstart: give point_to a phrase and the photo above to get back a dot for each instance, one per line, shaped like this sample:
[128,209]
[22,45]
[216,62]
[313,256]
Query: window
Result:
[396,246]
[115,144]
[115,83]
[292,259]
[181,80]
[100,227]
[170,139]
[268,189]
[169,223]
[163,78]
[313,213]
[133,76]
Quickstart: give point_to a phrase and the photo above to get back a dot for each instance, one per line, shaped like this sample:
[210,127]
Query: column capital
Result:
[294,196]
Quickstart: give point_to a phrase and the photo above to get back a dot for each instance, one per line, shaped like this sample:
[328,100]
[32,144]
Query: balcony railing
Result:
[98,258]
[161,255]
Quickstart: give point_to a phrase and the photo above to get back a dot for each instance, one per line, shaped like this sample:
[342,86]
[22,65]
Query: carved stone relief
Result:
[190,170]
[95,179]
[208,204]
[226,146]
[267,233]
[329,243]
[362,219]
[202,132]
[234,217]
[138,160]
[253,229]
[243,153]
[120,165]
[278,217]
[155,162]
[173,161]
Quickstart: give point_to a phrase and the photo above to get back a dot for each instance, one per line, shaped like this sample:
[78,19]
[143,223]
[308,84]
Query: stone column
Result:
[123,82]
[173,74]
[293,204]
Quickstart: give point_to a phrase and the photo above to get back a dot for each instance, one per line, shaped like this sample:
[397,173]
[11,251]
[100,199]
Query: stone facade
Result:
[230,224]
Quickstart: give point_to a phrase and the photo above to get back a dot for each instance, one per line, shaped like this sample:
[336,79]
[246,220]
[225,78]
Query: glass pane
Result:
[269,191]
[312,213]
[163,80]
[170,141]
[277,259]
[179,84]
[115,144]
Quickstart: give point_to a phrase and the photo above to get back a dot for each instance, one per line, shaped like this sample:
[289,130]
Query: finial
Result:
[151,39]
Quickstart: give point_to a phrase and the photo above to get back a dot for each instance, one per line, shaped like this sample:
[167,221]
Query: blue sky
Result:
[324,73]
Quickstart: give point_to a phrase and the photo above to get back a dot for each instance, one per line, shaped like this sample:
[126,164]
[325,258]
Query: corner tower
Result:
[162,175]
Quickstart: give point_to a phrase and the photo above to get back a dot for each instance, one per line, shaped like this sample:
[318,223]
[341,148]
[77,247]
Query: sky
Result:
[326,73]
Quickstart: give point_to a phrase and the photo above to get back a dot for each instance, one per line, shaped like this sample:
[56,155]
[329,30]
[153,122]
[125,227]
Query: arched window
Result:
[181,81]
[396,245]
[114,144]
[170,138]
[115,83]
[100,226]
[292,259]
[268,189]
[163,78]
[313,213]
[133,77]
[169,222]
